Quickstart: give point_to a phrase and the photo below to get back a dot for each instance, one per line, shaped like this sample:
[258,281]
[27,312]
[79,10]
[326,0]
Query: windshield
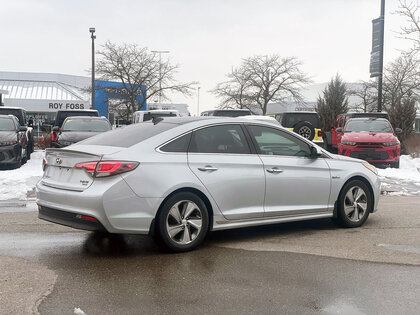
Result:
[88,125]
[368,126]
[15,112]
[6,124]
[150,116]
[231,113]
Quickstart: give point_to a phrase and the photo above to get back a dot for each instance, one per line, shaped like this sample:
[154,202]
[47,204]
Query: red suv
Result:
[370,139]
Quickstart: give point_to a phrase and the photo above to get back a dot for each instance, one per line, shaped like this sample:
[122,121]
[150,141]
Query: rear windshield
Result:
[61,116]
[368,126]
[86,124]
[129,135]
[150,116]
[230,113]
[290,120]
[14,112]
[6,124]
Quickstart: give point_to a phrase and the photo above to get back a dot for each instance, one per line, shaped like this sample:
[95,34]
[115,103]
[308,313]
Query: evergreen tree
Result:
[333,102]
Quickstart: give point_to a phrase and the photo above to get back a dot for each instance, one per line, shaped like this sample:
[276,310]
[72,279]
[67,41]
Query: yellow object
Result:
[316,137]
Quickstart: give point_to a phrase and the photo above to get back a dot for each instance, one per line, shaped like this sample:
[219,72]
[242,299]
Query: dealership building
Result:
[43,94]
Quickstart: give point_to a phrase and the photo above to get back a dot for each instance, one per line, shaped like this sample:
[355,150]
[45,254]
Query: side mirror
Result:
[339,130]
[23,128]
[315,152]
[56,129]
[398,130]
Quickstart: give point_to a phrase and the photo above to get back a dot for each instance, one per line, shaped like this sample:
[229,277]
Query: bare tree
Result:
[401,92]
[409,10]
[367,91]
[260,80]
[142,73]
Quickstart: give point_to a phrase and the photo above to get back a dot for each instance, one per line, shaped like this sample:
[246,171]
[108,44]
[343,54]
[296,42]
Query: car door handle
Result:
[275,170]
[208,168]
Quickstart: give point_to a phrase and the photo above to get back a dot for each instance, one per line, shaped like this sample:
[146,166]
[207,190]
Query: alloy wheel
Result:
[355,204]
[184,222]
[305,132]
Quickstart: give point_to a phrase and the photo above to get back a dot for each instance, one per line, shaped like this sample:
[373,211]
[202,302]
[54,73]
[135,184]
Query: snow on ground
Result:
[15,184]
[404,181]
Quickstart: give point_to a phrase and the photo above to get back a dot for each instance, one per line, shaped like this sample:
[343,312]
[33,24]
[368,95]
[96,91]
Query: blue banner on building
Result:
[109,90]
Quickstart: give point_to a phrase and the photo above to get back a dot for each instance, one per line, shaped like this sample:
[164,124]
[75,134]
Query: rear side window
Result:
[228,139]
[178,145]
[290,120]
[128,136]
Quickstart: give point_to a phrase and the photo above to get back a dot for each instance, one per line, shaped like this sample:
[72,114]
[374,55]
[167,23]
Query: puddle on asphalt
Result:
[342,308]
[402,248]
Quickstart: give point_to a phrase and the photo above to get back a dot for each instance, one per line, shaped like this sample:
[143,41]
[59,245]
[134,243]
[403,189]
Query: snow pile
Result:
[403,181]
[78,311]
[14,184]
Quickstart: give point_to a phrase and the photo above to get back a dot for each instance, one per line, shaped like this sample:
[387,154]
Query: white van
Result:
[145,115]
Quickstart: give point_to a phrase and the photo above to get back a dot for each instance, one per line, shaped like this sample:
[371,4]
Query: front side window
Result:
[228,139]
[272,141]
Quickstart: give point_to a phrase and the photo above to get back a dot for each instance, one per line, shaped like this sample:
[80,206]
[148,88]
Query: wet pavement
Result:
[236,272]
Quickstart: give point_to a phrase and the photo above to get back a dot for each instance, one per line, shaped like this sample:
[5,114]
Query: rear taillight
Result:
[320,133]
[107,168]
[44,163]
[53,136]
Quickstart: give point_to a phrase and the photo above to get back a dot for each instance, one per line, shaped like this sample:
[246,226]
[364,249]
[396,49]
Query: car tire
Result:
[18,162]
[182,222]
[305,129]
[395,164]
[354,204]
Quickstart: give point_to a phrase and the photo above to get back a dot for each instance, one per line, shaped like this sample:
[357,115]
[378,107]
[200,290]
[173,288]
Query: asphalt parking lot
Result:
[295,268]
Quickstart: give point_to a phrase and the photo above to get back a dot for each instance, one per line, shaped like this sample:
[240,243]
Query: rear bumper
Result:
[68,219]
[110,200]
[379,154]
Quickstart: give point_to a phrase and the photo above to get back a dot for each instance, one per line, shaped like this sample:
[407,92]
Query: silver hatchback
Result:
[180,178]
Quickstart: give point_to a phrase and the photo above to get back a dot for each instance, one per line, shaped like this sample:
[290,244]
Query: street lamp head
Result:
[92,29]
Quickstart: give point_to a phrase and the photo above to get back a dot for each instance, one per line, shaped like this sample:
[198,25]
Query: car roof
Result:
[11,107]
[368,118]
[7,116]
[85,117]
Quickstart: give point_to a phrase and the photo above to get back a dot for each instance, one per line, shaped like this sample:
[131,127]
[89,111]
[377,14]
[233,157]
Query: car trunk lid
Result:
[61,172]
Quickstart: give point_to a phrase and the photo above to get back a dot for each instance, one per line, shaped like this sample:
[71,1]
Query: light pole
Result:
[198,101]
[93,36]
[160,52]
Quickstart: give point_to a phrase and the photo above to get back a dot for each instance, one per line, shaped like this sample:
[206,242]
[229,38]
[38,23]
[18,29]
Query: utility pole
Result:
[198,101]
[93,36]
[381,55]
[160,52]
[377,53]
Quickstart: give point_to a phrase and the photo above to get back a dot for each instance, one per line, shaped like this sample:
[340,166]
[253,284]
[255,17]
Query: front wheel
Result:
[183,222]
[354,204]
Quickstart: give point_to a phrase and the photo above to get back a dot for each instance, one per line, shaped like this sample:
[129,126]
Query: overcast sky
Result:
[206,37]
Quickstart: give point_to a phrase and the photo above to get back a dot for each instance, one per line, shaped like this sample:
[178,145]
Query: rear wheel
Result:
[183,222]
[354,204]
[305,129]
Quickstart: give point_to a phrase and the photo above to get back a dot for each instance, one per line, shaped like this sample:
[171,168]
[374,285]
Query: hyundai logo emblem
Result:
[58,161]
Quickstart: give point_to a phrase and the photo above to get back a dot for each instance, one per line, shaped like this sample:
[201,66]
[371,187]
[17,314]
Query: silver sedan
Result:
[179,178]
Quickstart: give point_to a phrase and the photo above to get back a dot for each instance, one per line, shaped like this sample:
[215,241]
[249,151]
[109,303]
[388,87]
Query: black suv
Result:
[61,117]
[21,115]
[13,142]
